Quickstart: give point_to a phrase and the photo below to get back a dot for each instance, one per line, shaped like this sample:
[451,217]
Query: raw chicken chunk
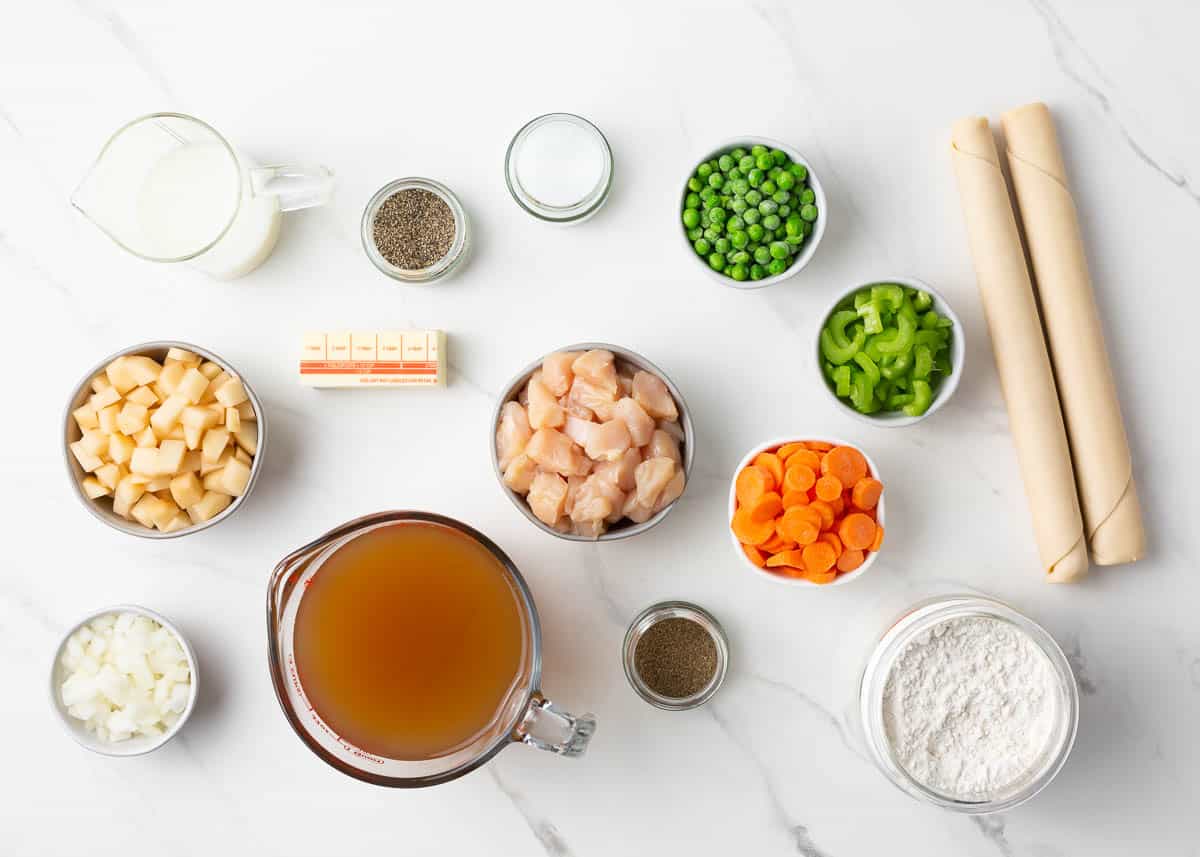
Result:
[556,371]
[574,409]
[579,430]
[555,452]
[652,476]
[640,423]
[513,433]
[608,441]
[520,472]
[596,399]
[663,445]
[589,529]
[596,499]
[652,394]
[544,410]
[635,511]
[672,492]
[574,483]
[622,470]
[599,369]
[672,428]
[547,495]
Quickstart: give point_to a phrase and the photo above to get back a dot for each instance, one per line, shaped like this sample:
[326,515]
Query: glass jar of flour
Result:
[559,168]
[968,705]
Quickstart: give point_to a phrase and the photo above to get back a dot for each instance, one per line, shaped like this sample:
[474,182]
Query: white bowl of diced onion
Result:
[124,634]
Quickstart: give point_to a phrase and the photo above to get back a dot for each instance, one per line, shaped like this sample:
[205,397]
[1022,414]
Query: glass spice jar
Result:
[439,269]
[653,615]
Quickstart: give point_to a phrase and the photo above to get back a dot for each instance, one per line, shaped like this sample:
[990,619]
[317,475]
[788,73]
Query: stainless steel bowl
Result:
[625,528]
[101,508]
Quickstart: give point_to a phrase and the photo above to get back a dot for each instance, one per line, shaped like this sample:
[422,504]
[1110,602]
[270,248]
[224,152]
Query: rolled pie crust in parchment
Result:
[1108,495]
[1026,379]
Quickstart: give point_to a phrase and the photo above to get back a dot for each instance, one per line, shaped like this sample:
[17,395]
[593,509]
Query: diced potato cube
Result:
[108,419]
[170,456]
[192,385]
[95,442]
[133,417]
[144,370]
[184,356]
[187,490]
[104,398]
[141,479]
[191,462]
[210,370]
[179,522]
[149,509]
[246,412]
[164,419]
[247,437]
[177,432]
[215,441]
[100,382]
[214,480]
[243,456]
[211,505]
[120,448]
[231,393]
[85,417]
[171,375]
[197,417]
[233,419]
[87,460]
[143,396]
[128,492]
[120,376]
[145,461]
[109,475]
[146,437]
[193,437]
[92,488]
[159,484]
[208,467]
[234,477]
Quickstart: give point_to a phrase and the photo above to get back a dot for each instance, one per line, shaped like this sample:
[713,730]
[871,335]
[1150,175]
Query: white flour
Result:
[970,706]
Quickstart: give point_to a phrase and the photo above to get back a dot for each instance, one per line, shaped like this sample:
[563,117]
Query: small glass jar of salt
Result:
[559,168]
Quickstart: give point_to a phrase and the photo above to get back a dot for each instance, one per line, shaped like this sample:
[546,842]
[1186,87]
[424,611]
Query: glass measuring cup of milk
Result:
[169,188]
[523,714]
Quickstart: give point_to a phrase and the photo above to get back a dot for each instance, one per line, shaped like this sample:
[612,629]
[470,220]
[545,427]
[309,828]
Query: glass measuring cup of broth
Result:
[405,650]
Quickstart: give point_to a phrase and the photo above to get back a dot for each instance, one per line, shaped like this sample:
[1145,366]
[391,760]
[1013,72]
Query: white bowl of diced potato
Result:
[163,439]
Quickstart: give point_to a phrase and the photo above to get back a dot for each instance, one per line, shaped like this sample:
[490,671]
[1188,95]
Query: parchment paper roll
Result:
[1021,359]
[1103,468]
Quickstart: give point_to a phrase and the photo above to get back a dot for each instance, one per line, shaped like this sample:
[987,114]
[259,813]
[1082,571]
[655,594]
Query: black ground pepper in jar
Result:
[415,230]
[675,655]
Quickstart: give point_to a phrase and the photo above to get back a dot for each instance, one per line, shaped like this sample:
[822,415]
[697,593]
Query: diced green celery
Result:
[862,392]
[929,320]
[835,346]
[945,322]
[898,400]
[923,362]
[889,294]
[901,383]
[922,300]
[869,313]
[841,380]
[898,339]
[883,390]
[935,339]
[868,366]
[922,398]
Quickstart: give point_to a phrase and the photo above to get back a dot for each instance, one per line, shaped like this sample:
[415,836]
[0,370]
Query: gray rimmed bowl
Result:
[810,246]
[623,529]
[101,508]
[946,387]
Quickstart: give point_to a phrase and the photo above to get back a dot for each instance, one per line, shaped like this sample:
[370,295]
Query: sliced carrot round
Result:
[820,576]
[806,457]
[819,445]
[751,484]
[839,506]
[788,571]
[877,542]
[792,557]
[754,555]
[750,532]
[825,511]
[785,451]
[771,463]
[857,531]
[833,541]
[866,493]
[828,488]
[799,477]
[850,560]
[795,498]
[846,463]
[765,508]
[819,557]
[800,524]
[776,543]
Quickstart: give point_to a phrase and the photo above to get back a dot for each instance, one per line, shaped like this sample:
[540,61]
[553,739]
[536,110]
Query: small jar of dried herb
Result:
[415,230]
[675,655]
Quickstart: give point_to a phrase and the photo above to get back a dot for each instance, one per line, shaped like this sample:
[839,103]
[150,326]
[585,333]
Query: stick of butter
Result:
[374,358]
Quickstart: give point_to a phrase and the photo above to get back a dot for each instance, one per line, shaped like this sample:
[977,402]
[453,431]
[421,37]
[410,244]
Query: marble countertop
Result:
[378,90]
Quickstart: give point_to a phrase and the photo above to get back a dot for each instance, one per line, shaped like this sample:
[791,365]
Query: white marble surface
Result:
[378,90]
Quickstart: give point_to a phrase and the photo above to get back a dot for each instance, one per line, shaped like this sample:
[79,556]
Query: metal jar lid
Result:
[651,616]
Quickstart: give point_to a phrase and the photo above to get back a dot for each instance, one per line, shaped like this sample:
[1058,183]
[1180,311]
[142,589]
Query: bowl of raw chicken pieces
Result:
[592,442]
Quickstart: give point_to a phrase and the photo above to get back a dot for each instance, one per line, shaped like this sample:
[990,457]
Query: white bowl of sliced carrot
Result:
[807,512]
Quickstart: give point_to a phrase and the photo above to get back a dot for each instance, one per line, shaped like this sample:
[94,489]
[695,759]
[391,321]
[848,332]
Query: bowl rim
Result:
[75,728]
[810,248]
[948,386]
[513,387]
[880,514]
[75,472]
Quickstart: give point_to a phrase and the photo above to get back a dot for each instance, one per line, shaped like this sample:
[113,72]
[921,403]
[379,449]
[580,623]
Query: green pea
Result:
[784,210]
[771,221]
[768,187]
[691,217]
[799,171]
[712,233]
[712,164]
[750,215]
[768,206]
[785,180]
[758,150]
[704,171]
[762,255]
[781,196]
[779,250]
[746,163]
[722,245]
[739,272]
[692,200]
[779,156]
[725,163]
[764,162]
[739,205]
[807,196]
[707,196]
[757,272]
[733,174]
[755,231]
[694,184]
[717,214]
[716,181]
[734,224]
[739,239]
[695,232]
[702,246]
[740,186]
[777,266]
[738,153]
[716,261]
[755,177]
[809,212]
[808,227]
[794,225]
[753,197]
[795,240]
[705,220]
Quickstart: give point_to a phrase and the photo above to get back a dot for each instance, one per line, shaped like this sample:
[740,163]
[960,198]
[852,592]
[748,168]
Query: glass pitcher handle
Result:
[296,186]
[548,727]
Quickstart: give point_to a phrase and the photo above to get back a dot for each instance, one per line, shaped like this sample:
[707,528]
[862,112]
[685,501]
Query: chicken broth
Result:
[410,639]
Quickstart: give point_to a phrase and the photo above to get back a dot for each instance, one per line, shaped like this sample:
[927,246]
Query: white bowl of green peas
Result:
[890,351]
[753,212]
